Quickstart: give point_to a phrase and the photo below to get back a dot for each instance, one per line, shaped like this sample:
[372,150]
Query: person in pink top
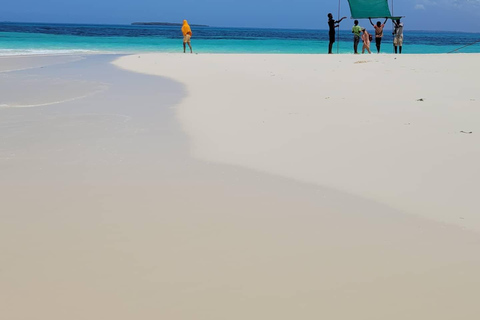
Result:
[378,32]
[366,41]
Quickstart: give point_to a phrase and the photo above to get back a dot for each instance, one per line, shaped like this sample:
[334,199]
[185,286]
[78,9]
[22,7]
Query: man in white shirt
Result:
[398,35]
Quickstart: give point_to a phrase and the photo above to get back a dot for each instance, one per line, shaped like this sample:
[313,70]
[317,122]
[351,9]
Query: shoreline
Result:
[177,51]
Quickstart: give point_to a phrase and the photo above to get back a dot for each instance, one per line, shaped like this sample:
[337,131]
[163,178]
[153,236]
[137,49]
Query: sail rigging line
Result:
[393,27]
[467,45]
[338,33]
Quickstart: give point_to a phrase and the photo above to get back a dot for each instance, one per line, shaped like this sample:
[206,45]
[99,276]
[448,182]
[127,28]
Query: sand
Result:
[14,63]
[114,206]
[394,129]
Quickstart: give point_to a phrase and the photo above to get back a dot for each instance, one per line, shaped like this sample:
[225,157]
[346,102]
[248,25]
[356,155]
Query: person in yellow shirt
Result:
[187,35]
[356,30]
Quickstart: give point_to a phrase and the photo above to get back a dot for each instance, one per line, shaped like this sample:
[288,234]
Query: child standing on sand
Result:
[366,41]
[356,35]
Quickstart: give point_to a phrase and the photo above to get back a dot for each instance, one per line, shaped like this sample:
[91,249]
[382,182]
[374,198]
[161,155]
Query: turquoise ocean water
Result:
[41,38]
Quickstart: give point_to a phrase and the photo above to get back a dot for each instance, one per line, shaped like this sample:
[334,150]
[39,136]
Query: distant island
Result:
[164,24]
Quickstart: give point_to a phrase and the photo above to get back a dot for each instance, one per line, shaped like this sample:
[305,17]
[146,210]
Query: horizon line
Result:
[211,26]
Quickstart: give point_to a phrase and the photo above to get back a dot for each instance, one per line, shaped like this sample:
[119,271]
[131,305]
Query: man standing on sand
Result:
[332,24]
[378,32]
[398,35]
[187,35]
[356,30]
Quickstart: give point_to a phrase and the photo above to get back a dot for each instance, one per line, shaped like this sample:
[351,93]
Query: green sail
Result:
[364,9]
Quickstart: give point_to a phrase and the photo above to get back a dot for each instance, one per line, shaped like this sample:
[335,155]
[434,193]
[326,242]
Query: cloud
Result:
[424,4]
[465,6]
[449,3]
[467,2]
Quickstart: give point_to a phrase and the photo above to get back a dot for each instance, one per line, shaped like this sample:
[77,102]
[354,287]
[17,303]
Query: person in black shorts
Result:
[378,32]
[332,24]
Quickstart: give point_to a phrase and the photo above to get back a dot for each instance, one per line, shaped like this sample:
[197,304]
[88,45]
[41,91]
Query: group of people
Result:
[360,33]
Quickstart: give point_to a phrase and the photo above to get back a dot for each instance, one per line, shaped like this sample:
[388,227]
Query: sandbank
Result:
[105,213]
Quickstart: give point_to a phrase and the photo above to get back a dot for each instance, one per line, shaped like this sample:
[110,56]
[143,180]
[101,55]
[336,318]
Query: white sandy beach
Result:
[353,123]
[240,186]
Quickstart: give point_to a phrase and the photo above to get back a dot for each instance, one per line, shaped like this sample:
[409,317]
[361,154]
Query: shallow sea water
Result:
[40,38]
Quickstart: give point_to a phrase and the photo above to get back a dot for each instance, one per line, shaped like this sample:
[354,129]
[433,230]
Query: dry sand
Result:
[394,129]
[105,215]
